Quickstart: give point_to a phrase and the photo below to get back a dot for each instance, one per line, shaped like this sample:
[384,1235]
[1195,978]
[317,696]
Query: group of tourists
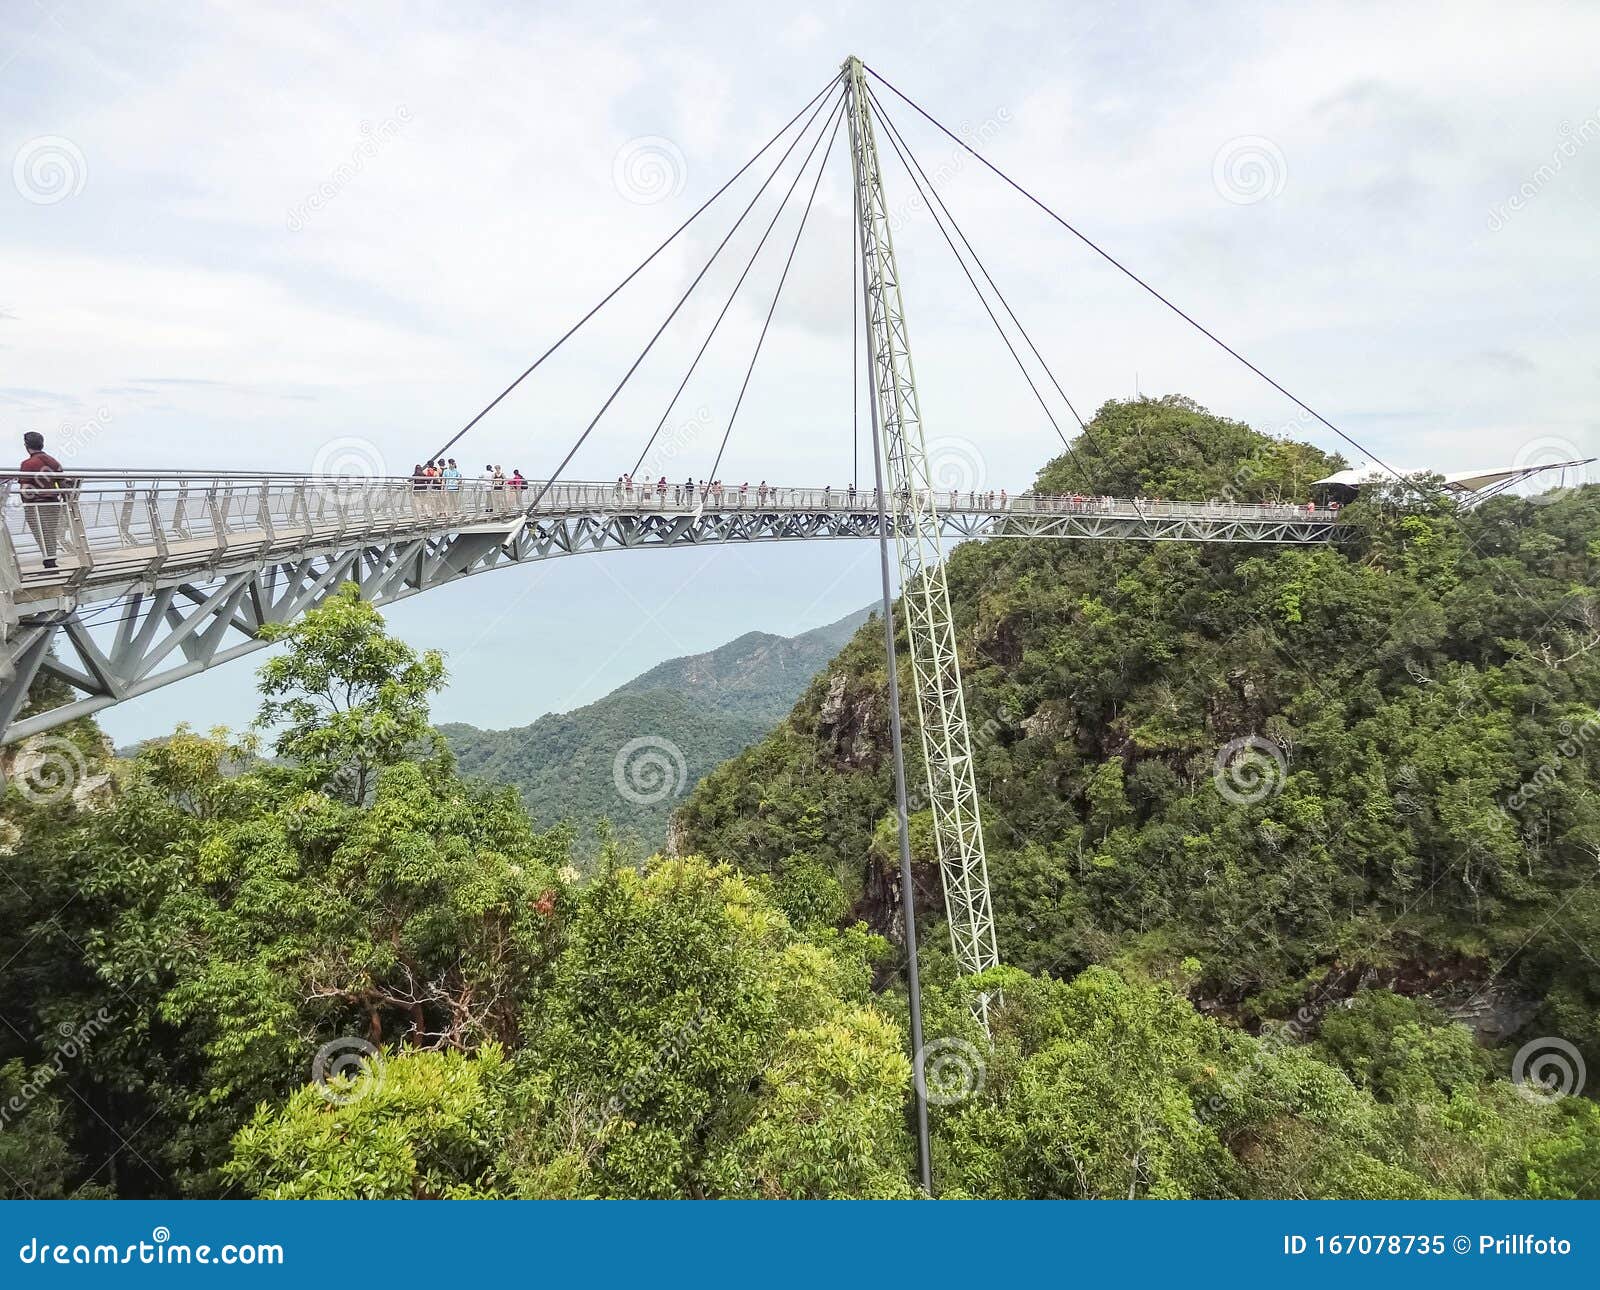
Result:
[714,494]
[442,475]
[710,492]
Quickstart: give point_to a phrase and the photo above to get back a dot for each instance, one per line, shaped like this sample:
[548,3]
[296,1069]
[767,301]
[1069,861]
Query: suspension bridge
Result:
[116,582]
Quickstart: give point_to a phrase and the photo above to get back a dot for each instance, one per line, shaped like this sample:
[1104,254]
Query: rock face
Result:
[1464,989]
[1493,1012]
[847,724]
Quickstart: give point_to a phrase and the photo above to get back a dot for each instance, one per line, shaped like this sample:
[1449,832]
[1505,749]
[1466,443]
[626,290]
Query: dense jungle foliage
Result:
[1234,968]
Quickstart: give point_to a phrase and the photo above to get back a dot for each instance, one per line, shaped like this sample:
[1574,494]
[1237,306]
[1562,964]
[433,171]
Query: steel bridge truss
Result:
[116,637]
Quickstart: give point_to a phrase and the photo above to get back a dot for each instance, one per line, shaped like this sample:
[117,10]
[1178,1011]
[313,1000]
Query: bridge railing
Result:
[126,522]
[95,519]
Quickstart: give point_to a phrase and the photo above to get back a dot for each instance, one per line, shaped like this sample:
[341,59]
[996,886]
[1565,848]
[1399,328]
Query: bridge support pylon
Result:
[924,595]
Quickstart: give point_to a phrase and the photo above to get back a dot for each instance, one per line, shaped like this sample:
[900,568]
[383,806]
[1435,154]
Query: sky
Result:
[325,236]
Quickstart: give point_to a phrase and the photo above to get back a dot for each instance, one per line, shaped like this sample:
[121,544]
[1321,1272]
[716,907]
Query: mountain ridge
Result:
[631,755]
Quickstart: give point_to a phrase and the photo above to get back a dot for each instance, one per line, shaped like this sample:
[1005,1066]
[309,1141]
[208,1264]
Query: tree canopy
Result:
[1266,827]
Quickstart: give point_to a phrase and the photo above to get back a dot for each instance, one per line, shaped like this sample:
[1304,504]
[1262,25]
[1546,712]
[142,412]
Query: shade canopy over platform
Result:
[1475,484]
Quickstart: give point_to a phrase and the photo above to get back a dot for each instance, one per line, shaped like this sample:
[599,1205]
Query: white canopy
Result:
[1462,481]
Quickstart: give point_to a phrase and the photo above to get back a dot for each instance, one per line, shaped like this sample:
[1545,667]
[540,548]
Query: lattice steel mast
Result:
[913,508]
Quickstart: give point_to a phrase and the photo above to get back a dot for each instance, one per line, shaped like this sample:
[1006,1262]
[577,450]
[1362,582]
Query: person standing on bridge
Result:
[516,483]
[46,493]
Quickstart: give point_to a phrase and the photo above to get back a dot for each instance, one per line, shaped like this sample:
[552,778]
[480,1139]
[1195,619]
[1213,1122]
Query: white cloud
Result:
[172,290]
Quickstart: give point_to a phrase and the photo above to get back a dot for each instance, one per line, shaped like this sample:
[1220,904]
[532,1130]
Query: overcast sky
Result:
[280,236]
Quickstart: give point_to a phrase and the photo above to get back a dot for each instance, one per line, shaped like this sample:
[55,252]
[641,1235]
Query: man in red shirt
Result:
[44,495]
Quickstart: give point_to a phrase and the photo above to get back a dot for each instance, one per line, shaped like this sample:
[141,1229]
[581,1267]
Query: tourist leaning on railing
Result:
[48,496]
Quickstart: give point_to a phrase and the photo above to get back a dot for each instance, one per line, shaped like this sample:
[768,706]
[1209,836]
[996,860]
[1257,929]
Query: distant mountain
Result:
[631,756]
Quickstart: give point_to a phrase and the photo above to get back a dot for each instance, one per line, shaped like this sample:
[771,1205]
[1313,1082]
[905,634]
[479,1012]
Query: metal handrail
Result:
[136,521]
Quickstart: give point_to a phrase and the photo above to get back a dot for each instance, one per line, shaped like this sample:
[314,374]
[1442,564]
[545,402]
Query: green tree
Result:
[349,698]
[688,1043]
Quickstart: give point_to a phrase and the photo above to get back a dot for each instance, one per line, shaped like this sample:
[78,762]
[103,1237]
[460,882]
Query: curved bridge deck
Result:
[157,577]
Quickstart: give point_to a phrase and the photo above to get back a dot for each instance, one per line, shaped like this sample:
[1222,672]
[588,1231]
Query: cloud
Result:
[174,290]
[1502,360]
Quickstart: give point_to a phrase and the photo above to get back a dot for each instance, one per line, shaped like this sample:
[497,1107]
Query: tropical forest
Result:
[1293,853]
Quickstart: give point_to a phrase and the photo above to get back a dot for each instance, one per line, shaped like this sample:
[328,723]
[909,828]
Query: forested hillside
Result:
[677,721]
[329,965]
[1269,774]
